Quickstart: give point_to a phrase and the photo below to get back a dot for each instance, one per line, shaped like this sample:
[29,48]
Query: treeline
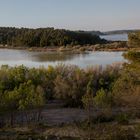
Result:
[43,37]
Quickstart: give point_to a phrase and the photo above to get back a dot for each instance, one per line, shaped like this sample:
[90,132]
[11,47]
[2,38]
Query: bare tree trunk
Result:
[39,115]
[89,123]
[27,117]
[11,119]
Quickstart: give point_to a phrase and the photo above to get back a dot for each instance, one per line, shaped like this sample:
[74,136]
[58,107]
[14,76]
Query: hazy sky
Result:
[71,14]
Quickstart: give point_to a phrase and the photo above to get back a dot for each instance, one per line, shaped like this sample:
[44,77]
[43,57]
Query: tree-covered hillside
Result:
[43,37]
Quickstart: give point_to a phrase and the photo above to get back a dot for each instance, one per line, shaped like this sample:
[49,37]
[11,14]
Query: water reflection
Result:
[56,56]
[37,59]
[115,37]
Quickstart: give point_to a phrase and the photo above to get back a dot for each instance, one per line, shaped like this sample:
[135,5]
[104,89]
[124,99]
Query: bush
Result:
[104,115]
[122,119]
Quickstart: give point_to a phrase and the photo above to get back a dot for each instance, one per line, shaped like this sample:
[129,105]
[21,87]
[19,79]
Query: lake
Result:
[36,59]
[115,37]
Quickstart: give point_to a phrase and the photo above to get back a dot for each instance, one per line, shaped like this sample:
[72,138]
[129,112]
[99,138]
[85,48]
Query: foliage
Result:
[122,119]
[102,99]
[132,56]
[134,39]
[68,86]
[127,88]
[67,83]
[26,96]
[88,99]
[43,37]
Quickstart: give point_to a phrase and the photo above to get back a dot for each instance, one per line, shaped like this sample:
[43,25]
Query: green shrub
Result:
[122,119]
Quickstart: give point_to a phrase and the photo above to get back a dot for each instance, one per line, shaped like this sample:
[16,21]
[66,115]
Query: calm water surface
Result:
[37,59]
[115,37]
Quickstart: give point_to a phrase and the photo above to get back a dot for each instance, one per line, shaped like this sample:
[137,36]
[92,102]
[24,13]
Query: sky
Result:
[103,15]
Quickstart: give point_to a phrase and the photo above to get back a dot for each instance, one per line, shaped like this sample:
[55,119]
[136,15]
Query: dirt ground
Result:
[63,115]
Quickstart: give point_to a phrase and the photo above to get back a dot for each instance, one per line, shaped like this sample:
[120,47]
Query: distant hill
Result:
[111,32]
[120,32]
[94,32]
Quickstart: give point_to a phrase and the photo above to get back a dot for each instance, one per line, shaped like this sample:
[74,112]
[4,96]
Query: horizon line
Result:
[20,27]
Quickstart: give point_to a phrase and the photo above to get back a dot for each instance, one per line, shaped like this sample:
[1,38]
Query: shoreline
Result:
[110,47]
